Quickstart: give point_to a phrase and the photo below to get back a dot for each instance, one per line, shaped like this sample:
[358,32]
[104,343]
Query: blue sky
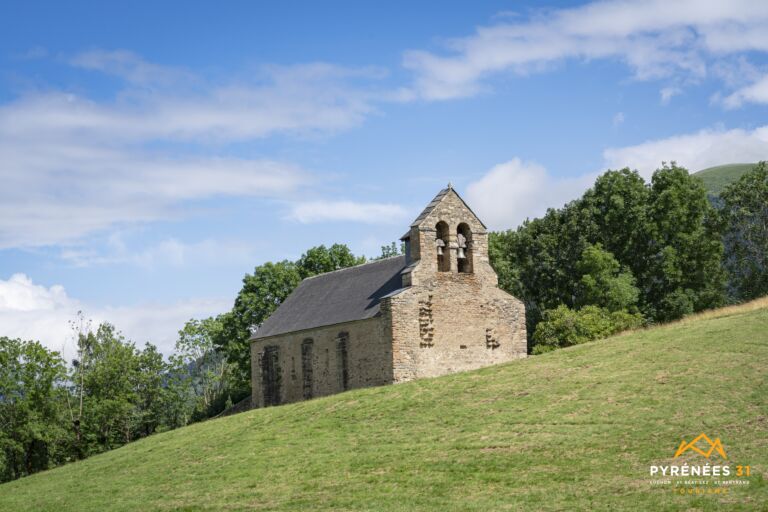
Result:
[152,153]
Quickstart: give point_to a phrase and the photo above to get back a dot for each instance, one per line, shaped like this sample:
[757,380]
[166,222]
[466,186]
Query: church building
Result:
[436,310]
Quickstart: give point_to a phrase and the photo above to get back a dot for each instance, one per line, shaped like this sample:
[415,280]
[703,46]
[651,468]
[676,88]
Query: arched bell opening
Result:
[441,247]
[464,249]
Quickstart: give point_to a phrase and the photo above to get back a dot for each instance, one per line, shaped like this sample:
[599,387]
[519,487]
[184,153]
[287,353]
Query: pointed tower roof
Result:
[437,200]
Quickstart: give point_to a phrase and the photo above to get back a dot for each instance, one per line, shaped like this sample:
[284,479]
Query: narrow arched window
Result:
[464,248]
[342,341]
[307,367]
[441,247]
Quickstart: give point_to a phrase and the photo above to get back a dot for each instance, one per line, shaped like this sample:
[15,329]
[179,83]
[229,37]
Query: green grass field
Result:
[716,178]
[576,429]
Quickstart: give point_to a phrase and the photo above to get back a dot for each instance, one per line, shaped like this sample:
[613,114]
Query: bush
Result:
[563,326]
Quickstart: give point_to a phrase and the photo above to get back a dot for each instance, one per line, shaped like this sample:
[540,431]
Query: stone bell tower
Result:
[450,314]
[447,241]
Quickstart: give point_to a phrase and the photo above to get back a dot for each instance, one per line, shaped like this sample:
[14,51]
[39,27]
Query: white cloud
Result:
[32,311]
[655,38]
[347,211]
[618,119]
[754,93]
[515,190]
[695,151]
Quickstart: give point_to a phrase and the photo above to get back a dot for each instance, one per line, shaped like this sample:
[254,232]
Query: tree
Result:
[208,370]
[319,260]
[745,221]
[685,251]
[152,393]
[388,251]
[31,423]
[617,205]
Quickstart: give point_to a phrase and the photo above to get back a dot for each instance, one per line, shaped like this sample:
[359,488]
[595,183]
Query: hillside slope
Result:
[575,429]
[717,178]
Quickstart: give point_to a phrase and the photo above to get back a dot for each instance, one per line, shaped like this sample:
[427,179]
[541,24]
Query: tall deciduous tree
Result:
[32,427]
[745,216]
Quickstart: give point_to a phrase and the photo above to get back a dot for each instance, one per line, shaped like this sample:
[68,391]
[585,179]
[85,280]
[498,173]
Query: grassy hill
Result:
[575,429]
[716,178]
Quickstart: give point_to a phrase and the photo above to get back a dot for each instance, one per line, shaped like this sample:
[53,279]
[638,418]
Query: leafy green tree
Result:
[320,259]
[603,283]
[617,205]
[745,216]
[208,370]
[32,425]
[685,250]
[388,251]
[108,377]
[153,395]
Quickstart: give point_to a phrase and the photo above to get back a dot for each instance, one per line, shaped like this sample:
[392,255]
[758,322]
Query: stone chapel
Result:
[436,310]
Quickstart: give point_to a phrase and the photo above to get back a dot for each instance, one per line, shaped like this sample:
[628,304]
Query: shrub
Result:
[563,326]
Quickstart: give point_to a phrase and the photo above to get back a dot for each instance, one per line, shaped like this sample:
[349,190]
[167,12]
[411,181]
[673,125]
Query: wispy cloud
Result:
[73,165]
[129,66]
[170,252]
[347,211]
[656,39]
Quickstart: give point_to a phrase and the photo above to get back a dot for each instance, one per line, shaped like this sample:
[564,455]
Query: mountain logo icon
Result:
[715,445]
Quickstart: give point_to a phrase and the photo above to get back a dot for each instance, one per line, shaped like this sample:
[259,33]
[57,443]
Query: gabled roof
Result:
[433,204]
[340,296]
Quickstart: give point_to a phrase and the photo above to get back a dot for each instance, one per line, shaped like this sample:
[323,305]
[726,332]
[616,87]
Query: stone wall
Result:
[469,327]
[309,370]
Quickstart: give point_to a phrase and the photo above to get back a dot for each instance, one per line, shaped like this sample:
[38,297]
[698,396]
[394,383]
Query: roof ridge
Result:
[378,260]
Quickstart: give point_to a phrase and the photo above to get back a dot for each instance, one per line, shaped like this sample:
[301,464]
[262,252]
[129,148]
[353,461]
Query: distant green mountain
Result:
[717,178]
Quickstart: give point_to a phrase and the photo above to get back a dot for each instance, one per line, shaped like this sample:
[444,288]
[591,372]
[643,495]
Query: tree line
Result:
[625,254]
[630,253]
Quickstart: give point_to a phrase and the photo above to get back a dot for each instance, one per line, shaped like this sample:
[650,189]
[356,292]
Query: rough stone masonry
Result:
[436,310]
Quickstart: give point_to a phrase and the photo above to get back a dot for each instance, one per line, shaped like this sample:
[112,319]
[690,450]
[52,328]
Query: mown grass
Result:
[717,178]
[576,429]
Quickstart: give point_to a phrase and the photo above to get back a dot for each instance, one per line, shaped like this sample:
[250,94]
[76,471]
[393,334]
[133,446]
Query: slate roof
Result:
[340,296]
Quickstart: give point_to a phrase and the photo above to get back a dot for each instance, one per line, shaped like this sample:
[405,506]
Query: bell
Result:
[439,243]
[460,254]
